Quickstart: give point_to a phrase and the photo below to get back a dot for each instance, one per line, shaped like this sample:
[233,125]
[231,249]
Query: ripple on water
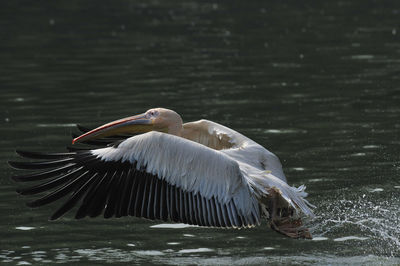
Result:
[173,243]
[38,253]
[358,154]
[25,228]
[320,180]
[347,238]
[57,125]
[319,238]
[376,190]
[195,250]
[370,146]
[268,248]
[298,168]
[18,99]
[284,131]
[22,262]
[149,252]
[362,57]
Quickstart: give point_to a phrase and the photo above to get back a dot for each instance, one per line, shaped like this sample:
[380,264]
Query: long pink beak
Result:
[129,125]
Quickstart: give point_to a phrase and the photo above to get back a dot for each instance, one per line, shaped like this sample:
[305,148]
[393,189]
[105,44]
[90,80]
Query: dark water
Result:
[318,84]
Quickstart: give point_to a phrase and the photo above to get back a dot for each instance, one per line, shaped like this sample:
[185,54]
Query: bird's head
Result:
[155,119]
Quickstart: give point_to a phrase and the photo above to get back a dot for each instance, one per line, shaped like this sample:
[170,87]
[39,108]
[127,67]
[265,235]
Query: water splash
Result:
[372,219]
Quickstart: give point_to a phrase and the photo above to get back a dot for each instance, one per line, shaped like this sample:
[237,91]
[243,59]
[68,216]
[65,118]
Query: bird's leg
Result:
[282,219]
[274,208]
[291,227]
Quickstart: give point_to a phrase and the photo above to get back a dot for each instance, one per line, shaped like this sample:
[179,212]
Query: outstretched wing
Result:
[153,175]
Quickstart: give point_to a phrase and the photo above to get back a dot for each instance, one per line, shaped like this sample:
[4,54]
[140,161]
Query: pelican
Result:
[153,166]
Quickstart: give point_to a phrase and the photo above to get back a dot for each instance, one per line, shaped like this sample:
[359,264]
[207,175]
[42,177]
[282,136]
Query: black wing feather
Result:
[111,207]
[49,184]
[44,175]
[59,193]
[90,194]
[76,196]
[42,155]
[40,164]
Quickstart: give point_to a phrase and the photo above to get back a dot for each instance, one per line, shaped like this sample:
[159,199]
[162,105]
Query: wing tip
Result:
[16,178]
[22,153]
[15,165]
[82,128]
[55,216]
[32,204]
[20,191]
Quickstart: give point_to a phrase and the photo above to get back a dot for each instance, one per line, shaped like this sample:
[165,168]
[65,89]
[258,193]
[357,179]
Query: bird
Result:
[154,166]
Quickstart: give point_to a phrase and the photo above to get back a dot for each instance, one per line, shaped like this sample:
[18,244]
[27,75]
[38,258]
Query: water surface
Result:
[317,84]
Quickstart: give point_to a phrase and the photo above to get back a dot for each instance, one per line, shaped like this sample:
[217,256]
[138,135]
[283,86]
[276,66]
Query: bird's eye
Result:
[151,113]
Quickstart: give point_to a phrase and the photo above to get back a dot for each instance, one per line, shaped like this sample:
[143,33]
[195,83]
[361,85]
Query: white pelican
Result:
[199,173]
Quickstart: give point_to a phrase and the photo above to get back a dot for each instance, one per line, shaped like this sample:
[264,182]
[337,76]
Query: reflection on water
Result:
[173,226]
[315,83]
